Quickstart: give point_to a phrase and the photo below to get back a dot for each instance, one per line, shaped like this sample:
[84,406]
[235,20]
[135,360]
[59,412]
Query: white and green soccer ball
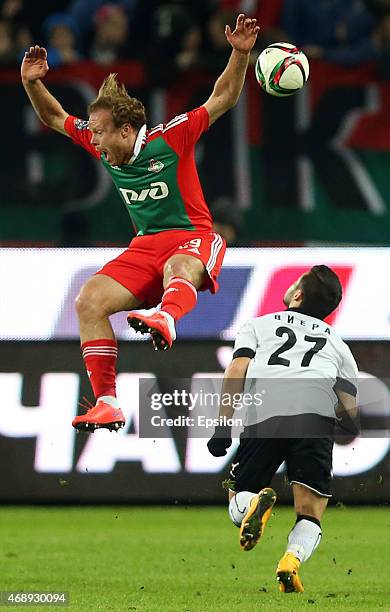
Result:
[282,69]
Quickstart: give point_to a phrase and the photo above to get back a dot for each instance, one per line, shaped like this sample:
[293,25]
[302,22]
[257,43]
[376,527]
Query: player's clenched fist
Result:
[220,441]
[34,65]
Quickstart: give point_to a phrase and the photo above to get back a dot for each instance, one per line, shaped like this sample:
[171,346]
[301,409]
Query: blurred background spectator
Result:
[339,31]
[83,11]
[267,12]
[8,52]
[15,36]
[62,39]
[175,36]
[30,15]
[111,35]
[216,48]
[381,10]
[227,219]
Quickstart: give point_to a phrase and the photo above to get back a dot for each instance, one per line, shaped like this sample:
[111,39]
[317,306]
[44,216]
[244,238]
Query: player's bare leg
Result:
[303,538]
[183,276]
[99,298]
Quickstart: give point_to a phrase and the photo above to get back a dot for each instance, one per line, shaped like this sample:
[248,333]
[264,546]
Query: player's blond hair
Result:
[114,97]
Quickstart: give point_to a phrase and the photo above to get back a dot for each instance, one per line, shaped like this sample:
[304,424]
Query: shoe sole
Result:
[91,427]
[159,342]
[286,583]
[256,518]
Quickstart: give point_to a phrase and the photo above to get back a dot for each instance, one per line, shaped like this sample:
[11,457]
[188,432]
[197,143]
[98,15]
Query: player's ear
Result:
[298,295]
[126,130]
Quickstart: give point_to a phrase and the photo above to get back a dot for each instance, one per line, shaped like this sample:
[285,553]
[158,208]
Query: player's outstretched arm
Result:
[49,110]
[228,86]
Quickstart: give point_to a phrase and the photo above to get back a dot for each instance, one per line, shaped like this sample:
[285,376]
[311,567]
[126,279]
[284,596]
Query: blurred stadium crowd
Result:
[171,36]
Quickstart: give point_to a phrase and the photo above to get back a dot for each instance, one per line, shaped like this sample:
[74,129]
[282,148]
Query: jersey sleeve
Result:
[246,341]
[348,373]
[183,131]
[80,133]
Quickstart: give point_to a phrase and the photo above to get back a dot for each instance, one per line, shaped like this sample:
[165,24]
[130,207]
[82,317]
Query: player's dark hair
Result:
[322,292]
[114,97]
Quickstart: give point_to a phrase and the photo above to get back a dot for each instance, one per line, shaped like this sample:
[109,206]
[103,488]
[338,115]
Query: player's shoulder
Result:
[163,128]
[262,320]
[248,326]
[343,346]
[179,121]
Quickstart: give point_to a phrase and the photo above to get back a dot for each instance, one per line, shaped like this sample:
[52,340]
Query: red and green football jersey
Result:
[160,186]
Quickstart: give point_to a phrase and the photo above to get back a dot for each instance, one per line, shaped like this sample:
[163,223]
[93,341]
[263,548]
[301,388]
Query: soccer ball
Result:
[282,69]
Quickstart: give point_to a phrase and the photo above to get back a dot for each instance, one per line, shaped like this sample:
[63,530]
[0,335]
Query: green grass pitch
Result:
[188,559]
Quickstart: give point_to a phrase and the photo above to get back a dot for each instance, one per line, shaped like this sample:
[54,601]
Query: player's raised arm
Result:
[228,86]
[49,110]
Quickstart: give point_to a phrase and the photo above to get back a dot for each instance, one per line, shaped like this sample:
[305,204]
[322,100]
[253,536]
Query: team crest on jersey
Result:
[155,166]
[81,124]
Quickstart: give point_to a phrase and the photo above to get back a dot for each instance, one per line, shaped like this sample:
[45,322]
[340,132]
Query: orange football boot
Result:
[101,416]
[159,325]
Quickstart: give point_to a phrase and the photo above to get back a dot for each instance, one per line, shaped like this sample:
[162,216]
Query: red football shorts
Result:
[140,267]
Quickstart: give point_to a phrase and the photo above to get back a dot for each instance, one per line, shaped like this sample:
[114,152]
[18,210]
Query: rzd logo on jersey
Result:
[157,191]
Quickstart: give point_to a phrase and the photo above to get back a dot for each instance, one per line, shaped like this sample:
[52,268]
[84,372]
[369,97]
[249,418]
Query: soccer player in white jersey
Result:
[312,373]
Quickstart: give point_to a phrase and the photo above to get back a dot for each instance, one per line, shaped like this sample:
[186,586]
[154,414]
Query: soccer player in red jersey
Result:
[175,253]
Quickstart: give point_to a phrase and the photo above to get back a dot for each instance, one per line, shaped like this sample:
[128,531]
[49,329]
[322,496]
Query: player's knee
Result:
[189,268]
[178,268]
[89,305]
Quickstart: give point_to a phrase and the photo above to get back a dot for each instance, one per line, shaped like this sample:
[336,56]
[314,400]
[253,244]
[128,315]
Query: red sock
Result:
[179,297]
[100,362]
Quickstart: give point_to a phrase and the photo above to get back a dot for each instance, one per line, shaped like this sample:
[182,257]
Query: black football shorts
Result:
[308,461]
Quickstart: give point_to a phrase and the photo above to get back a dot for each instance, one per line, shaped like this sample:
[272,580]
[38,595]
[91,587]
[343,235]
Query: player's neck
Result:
[295,304]
[300,309]
[129,151]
